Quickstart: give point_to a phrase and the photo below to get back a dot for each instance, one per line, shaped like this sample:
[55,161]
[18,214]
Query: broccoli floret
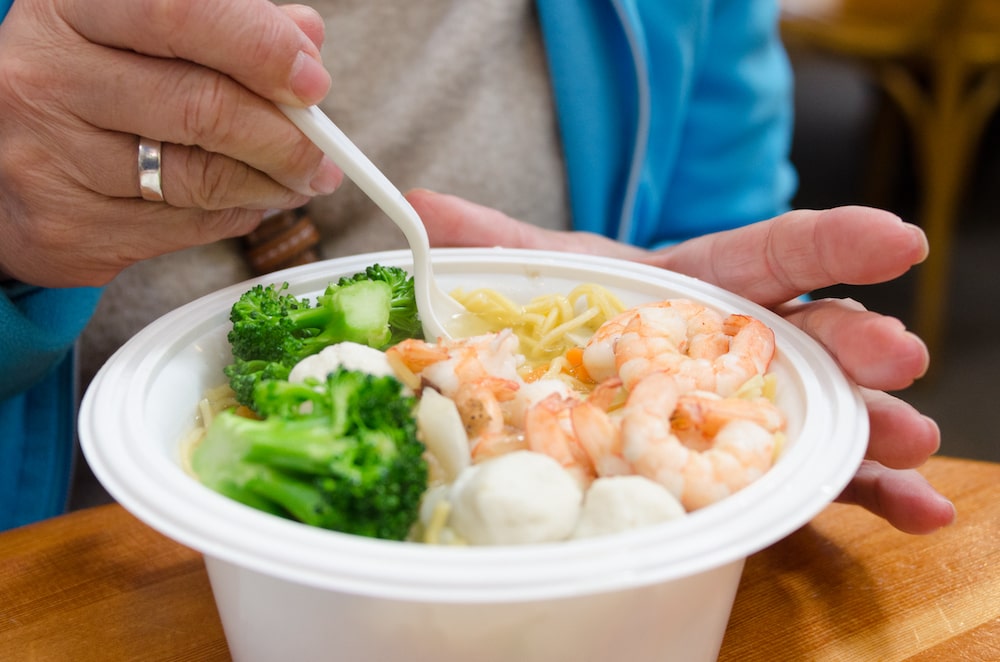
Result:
[271,325]
[350,461]
[245,375]
[404,322]
[273,330]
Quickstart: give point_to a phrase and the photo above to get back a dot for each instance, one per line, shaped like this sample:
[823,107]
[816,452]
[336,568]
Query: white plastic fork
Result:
[434,305]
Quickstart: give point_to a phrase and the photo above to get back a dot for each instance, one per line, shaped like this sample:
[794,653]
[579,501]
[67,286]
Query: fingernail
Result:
[934,429]
[327,178]
[954,512]
[309,80]
[921,237]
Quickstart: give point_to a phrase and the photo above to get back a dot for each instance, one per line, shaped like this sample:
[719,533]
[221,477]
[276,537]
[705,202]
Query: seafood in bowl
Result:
[285,589]
[668,393]
[671,392]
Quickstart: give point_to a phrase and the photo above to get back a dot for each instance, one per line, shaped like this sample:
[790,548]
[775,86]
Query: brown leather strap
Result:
[282,240]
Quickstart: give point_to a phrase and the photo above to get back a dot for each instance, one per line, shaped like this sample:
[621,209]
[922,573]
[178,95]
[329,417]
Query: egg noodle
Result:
[548,326]
[215,400]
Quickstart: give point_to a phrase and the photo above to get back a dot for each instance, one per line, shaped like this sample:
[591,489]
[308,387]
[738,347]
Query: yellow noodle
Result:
[188,443]
[220,392]
[205,412]
[438,519]
[552,336]
[215,400]
[547,325]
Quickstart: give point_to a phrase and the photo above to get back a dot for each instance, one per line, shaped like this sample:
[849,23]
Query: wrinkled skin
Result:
[773,263]
[78,85]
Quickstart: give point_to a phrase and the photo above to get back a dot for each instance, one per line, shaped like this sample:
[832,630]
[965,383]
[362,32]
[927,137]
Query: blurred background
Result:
[896,104]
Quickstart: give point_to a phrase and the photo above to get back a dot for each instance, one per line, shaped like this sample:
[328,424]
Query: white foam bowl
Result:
[288,591]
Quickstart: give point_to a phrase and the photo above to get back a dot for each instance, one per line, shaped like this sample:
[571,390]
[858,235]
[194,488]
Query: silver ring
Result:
[150,181]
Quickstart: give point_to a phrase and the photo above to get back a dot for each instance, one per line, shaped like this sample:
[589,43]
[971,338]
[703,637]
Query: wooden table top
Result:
[98,584]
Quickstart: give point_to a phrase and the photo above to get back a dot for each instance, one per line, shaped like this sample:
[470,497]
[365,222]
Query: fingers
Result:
[886,484]
[196,178]
[903,498]
[769,262]
[177,103]
[276,59]
[452,221]
[308,21]
[84,103]
[191,177]
[900,437]
[876,351]
[801,251]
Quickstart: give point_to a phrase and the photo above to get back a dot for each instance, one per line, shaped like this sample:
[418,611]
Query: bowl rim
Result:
[805,480]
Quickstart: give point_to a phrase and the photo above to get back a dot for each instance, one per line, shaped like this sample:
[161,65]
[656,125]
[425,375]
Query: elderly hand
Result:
[772,263]
[81,81]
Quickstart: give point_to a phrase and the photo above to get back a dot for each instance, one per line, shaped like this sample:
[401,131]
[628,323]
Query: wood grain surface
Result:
[98,584]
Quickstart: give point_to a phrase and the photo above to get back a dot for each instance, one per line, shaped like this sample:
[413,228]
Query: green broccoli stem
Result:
[301,499]
[250,497]
[309,453]
[310,320]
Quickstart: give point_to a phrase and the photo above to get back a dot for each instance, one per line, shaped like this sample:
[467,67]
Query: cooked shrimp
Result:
[564,425]
[713,360]
[448,364]
[478,373]
[600,437]
[478,403]
[548,429]
[699,416]
[511,437]
[608,394]
[677,323]
[494,445]
[409,358]
[530,394]
[750,353]
[741,451]
[598,431]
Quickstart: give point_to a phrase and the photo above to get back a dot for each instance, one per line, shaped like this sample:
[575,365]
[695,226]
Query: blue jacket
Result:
[675,120]
[675,116]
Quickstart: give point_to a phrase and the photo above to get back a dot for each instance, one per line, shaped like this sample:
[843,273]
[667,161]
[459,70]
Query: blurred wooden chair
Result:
[938,61]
